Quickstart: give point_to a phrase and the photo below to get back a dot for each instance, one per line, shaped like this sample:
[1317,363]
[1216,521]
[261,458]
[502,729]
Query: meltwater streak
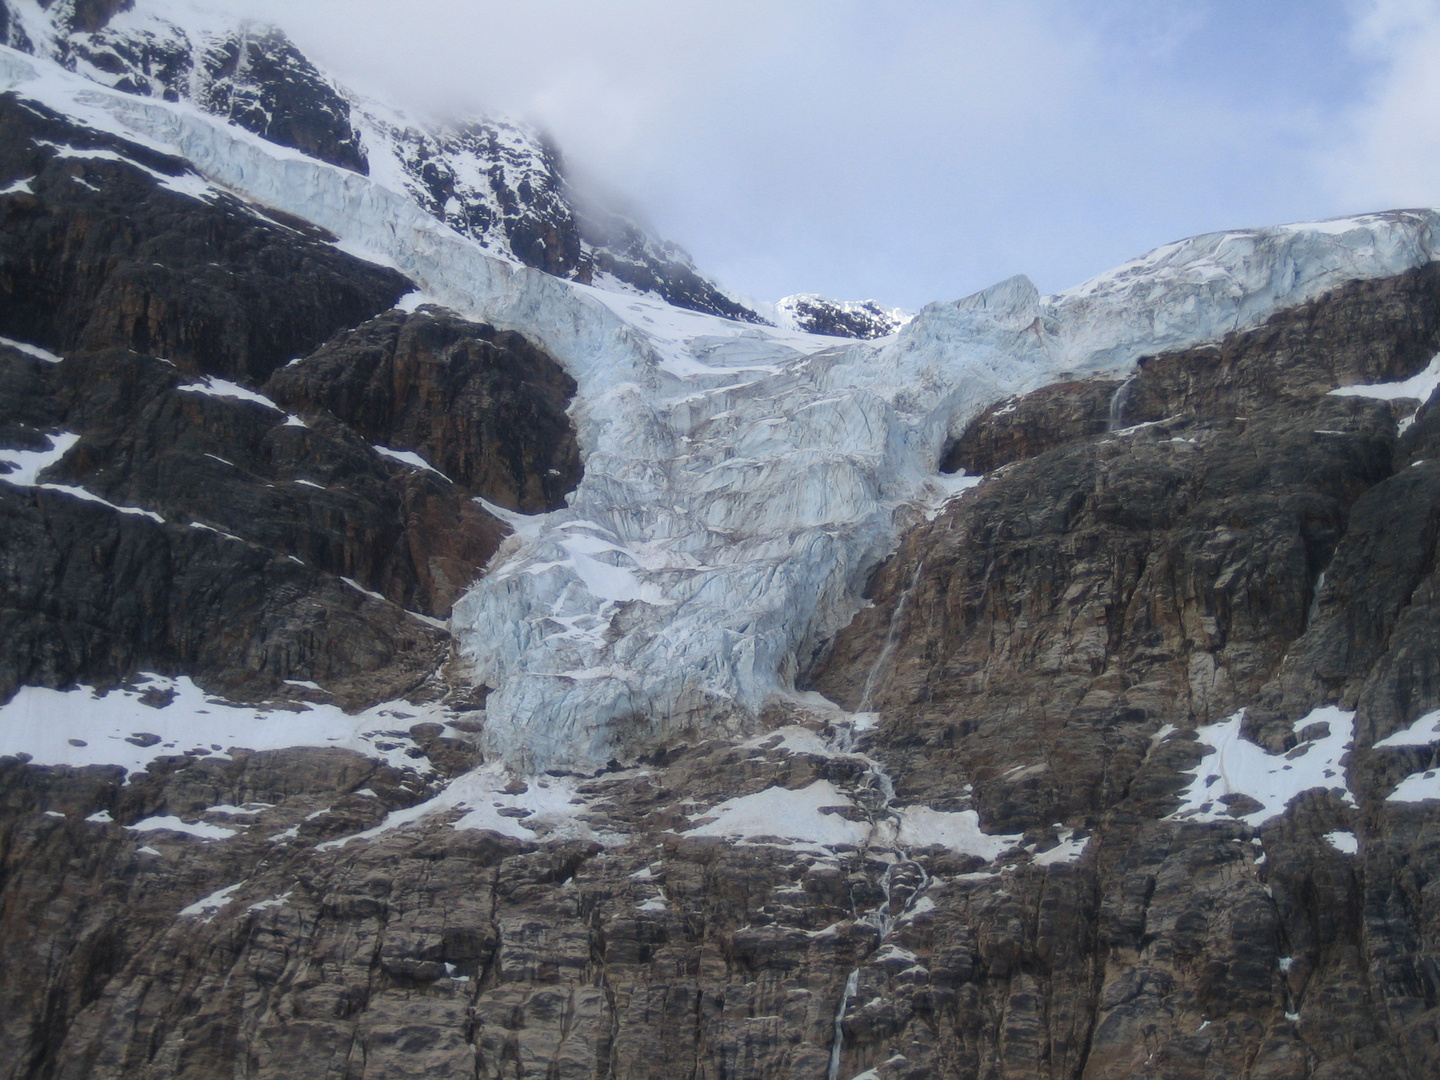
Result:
[837,1043]
[740,481]
[1118,401]
[892,637]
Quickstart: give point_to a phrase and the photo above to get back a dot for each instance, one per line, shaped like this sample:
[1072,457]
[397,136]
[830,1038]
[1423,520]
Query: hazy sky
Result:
[915,150]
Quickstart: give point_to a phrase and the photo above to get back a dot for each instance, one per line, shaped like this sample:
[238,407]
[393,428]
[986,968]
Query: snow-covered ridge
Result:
[740,480]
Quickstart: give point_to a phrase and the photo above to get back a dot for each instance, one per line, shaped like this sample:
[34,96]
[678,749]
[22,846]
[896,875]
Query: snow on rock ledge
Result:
[1236,769]
[740,481]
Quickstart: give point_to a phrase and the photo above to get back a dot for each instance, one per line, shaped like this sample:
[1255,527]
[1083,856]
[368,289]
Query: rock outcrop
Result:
[485,408]
[839,318]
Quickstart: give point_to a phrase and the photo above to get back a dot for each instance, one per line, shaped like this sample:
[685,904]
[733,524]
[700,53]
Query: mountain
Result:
[838,318]
[422,661]
[499,183]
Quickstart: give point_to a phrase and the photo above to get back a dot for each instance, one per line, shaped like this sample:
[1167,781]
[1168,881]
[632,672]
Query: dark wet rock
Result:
[485,407]
[1022,427]
[241,581]
[104,254]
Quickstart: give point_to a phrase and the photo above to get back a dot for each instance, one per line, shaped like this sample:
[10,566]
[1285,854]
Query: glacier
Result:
[741,481]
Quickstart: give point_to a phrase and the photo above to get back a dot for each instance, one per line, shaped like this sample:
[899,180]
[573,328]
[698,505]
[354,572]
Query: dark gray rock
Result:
[486,408]
[103,254]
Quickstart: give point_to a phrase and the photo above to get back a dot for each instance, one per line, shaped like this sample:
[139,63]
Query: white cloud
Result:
[919,150]
[1387,151]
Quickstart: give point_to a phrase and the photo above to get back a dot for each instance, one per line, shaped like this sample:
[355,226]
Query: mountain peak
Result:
[816,314]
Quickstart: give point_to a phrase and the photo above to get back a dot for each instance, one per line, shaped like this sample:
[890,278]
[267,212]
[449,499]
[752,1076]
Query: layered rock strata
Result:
[1248,541]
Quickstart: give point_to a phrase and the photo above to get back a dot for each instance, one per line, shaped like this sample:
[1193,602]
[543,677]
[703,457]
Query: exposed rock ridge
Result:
[839,318]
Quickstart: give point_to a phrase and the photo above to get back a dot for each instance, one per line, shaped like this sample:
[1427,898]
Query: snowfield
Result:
[740,481]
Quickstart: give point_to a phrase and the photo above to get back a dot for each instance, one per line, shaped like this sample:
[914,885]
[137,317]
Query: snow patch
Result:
[90,496]
[27,465]
[1420,386]
[32,350]
[171,823]
[793,815]
[207,907]
[408,457]
[1343,841]
[960,831]
[212,386]
[792,740]
[1068,850]
[494,799]
[1236,766]
[278,900]
[1417,787]
[1423,732]
[122,728]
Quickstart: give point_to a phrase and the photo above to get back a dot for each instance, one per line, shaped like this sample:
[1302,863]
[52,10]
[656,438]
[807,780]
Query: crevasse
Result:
[740,481]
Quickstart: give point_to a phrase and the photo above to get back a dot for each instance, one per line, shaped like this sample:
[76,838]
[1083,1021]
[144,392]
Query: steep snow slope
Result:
[740,480]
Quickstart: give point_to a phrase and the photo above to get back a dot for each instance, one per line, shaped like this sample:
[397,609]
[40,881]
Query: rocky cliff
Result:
[416,664]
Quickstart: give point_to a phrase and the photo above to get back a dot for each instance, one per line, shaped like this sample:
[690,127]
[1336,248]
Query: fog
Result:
[920,149]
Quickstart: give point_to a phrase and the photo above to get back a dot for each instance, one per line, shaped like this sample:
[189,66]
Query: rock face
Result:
[107,244]
[486,408]
[262,83]
[1056,636]
[234,569]
[1129,768]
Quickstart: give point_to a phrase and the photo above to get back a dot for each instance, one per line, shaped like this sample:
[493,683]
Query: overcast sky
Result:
[916,150]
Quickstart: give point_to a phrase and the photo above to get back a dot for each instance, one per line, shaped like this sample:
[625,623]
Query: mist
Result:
[917,151]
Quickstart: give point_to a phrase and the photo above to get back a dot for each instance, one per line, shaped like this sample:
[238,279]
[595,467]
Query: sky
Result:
[918,150]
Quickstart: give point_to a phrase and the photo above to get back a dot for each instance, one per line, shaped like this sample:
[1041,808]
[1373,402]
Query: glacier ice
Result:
[740,481]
